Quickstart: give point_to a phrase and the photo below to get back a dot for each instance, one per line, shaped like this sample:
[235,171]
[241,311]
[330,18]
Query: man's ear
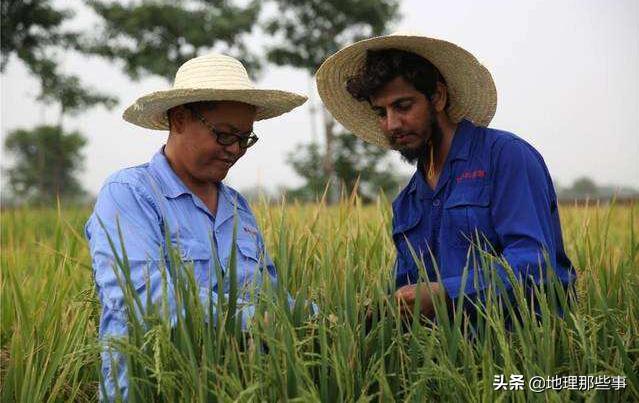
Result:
[440,98]
[177,119]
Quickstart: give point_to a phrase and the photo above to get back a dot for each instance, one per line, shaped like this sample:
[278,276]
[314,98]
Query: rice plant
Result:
[339,257]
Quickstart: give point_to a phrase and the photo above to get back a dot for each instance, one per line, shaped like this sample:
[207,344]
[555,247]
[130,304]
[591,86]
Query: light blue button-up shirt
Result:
[146,201]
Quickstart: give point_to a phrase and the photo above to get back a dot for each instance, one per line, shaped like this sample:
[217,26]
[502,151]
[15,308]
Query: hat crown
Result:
[214,71]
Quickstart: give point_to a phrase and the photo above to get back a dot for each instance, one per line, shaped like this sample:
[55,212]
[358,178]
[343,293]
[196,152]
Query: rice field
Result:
[340,258]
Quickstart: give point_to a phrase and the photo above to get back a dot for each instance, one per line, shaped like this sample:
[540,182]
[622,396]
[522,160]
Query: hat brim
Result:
[471,89]
[150,110]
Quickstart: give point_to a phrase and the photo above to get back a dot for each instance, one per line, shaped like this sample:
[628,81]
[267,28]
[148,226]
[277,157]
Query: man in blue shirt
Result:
[474,189]
[179,197]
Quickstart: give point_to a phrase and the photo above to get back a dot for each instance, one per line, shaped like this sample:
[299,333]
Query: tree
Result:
[46,164]
[310,31]
[308,165]
[29,28]
[364,165]
[156,37]
[358,165]
[46,158]
[584,187]
[32,31]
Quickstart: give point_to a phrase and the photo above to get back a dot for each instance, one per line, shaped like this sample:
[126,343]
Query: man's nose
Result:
[393,121]
[234,148]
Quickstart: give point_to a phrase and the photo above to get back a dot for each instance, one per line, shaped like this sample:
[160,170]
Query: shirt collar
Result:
[170,184]
[227,203]
[460,148]
[418,184]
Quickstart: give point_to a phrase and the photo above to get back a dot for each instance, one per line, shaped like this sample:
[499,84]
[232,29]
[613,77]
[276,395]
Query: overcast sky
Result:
[566,75]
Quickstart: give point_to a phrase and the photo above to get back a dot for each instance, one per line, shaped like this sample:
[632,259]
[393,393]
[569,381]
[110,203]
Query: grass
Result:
[340,257]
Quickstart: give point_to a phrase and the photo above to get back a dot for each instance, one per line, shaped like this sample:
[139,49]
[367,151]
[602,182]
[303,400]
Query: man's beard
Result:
[412,155]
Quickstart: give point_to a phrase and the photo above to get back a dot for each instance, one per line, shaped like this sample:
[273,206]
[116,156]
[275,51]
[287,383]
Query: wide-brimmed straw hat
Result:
[471,90]
[212,77]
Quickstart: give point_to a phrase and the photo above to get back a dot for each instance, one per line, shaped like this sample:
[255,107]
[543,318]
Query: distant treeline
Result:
[624,201]
[585,191]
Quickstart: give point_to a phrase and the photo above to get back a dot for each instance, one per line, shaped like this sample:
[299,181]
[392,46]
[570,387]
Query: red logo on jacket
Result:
[470,175]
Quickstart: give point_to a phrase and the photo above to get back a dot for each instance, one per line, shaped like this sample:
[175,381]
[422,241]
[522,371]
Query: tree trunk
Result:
[61,116]
[57,180]
[327,166]
[42,188]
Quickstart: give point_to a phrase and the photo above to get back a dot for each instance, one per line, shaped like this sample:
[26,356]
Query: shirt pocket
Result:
[249,258]
[198,254]
[250,261]
[408,240]
[467,215]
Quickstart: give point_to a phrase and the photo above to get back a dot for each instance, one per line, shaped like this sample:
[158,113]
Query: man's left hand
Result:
[407,295]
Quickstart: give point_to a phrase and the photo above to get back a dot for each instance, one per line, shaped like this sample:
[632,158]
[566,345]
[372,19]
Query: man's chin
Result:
[215,172]
[213,177]
[218,178]
[411,154]
[411,151]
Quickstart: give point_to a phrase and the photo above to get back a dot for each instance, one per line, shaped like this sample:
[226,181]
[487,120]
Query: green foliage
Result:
[32,30]
[307,33]
[46,163]
[156,37]
[308,165]
[364,166]
[46,158]
[340,257]
[359,166]
[311,31]
[29,28]
[68,92]
[585,186]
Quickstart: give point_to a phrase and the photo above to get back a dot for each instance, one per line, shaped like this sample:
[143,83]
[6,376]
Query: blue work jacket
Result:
[494,192]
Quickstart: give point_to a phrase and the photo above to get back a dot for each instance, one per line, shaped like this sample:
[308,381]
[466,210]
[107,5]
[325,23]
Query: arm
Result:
[252,247]
[121,207]
[521,203]
[409,289]
[120,203]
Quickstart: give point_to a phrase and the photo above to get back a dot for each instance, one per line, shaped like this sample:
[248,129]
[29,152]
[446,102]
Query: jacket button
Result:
[436,202]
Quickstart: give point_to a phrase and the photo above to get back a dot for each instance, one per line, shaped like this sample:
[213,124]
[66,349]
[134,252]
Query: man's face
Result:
[406,117]
[196,152]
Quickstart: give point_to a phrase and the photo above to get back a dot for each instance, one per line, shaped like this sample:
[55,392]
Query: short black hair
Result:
[384,65]
[201,105]
[198,106]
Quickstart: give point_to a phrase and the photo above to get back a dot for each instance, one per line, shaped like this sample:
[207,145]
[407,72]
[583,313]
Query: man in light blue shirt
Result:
[179,197]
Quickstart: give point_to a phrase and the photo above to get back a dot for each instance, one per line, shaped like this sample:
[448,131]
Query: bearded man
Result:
[475,188]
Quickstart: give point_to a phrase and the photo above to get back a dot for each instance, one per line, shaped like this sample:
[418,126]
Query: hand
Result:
[263,320]
[373,309]
[406,297]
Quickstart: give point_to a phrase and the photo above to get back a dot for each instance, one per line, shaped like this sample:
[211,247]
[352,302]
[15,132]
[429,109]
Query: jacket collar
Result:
[459,150]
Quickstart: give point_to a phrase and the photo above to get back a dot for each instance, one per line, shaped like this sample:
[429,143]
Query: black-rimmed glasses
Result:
[227,138]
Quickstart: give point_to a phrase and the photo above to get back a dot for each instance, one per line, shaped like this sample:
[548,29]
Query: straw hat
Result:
[212,77]
[471,90]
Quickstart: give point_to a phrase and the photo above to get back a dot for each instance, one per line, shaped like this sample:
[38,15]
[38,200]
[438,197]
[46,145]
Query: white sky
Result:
[567,75]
